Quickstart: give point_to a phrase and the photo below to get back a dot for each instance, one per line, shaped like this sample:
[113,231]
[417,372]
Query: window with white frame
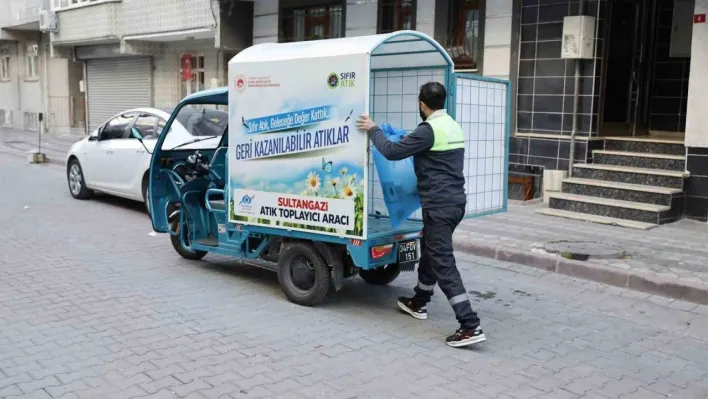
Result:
[4,67]
[32,62]
[197,76]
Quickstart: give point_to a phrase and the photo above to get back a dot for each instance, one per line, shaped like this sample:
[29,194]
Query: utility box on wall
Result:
[578,37]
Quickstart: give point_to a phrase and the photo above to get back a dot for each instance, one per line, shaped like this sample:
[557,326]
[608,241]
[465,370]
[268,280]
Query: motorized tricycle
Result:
[289,185]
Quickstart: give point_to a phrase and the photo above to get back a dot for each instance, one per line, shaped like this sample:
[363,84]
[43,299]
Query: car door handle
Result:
[140,151]
[109,151]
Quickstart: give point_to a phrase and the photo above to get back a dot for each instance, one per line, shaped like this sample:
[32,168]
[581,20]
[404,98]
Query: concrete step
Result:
[640,160]
[622,191]
[597,219]
[626,174]
[651,145]
[628,210]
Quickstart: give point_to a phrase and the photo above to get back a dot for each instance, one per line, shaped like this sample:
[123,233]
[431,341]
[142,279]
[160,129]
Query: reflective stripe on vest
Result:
[448,133]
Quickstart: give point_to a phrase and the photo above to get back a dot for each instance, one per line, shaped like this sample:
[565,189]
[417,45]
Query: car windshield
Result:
[196,127]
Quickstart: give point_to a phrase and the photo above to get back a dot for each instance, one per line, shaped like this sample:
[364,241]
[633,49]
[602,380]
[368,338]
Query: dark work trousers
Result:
[437,264]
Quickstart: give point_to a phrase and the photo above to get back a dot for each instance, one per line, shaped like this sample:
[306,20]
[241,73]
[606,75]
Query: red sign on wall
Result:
[186,62]
[699,19]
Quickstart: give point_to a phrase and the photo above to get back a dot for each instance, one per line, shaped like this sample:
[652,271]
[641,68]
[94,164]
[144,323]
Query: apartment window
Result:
[31,121]
[396,15]
[197,81]
[311,23]
[4,67]
[32,62]
[464,39]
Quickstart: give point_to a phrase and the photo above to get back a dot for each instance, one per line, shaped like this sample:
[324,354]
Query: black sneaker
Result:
[466,337]
[407,305]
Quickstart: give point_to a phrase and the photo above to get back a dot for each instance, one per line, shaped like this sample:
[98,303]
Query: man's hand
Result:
[365,123]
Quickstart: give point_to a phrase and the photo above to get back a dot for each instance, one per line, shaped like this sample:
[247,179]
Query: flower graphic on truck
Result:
[313,181]
[349,192]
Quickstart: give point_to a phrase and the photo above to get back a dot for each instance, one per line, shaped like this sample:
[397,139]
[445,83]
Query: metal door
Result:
[114,85]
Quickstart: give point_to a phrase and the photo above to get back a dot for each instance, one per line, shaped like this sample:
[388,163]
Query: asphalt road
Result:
[94,306]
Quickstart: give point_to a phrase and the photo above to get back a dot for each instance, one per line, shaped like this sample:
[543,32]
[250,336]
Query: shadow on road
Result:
[123,203]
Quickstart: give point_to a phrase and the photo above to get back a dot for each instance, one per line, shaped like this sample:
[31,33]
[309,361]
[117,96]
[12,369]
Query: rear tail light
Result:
[381,251]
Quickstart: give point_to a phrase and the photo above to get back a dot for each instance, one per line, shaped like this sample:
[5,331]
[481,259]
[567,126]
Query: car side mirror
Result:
[135,133]
[93,137]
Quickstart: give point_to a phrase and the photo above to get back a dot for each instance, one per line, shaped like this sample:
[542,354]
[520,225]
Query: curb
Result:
[639,281]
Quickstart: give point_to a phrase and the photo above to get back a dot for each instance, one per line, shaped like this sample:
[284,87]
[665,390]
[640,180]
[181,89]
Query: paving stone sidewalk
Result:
[93,307]
[18,142]
[673,256]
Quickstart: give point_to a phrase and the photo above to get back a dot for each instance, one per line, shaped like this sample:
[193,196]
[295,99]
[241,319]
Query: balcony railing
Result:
[67,4]
[27,15]
[19,13]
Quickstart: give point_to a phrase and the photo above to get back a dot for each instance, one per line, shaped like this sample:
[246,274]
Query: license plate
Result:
[408,252]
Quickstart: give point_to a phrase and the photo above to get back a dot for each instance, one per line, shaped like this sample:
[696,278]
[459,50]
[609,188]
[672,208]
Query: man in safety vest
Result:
[438,149]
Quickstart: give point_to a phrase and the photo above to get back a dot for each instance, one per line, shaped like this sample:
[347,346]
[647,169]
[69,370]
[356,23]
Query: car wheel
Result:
[146,196]
[75,179]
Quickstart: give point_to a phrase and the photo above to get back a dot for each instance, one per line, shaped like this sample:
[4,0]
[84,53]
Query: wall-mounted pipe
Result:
[576,98]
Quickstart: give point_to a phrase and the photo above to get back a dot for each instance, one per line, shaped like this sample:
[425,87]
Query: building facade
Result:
[141,54]
[640,154]
[93,58]
[641,82]
[109,55]
[22,89]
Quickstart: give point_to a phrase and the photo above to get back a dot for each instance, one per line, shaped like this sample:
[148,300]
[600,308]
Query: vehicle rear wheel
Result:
[75,178]
[303,275]
[381,275]
[186,253]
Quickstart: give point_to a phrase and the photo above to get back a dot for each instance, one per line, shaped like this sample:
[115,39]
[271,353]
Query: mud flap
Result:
[334,261]
[408,266]
[337,275]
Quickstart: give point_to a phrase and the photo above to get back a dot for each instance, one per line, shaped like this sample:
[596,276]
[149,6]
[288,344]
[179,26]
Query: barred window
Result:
[4,67]
[396,15]
[464,38]
[311,23]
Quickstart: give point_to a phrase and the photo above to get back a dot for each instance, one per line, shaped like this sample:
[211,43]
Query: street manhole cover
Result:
[584,250]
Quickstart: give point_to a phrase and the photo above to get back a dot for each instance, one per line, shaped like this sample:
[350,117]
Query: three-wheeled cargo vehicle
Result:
[289,186]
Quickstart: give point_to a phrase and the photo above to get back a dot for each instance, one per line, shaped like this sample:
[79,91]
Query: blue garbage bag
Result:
[398,180]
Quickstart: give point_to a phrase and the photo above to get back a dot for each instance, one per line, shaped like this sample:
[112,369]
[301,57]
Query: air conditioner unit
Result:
[47,21]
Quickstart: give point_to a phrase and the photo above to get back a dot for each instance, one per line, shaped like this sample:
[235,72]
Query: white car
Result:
[112,161]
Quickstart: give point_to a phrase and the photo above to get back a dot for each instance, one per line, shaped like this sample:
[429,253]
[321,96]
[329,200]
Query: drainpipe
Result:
[576,98]
[19,72]
[45,80]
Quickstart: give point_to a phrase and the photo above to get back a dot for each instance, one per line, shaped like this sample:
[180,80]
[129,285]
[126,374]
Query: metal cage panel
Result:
[482,108]
[394,100]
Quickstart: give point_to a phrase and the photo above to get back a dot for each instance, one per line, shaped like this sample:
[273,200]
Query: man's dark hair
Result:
[433,95]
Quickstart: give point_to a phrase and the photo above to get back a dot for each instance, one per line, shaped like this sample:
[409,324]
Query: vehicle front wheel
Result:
[75,178]
[381,275]
[303,275]
[186,253]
